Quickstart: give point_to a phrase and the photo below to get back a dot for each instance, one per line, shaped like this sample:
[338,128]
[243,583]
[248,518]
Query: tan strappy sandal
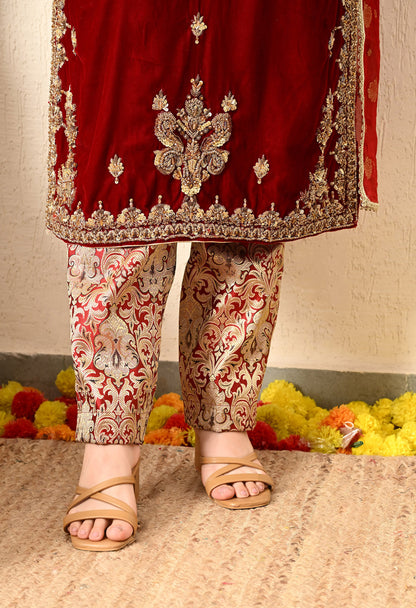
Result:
[122,511]
[224,476]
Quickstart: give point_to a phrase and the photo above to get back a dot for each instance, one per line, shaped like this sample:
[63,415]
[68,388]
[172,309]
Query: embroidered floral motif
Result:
[261,168]
[198,27]
[116,167]
[193,164]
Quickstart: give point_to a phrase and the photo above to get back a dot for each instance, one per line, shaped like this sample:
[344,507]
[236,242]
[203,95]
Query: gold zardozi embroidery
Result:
[116,167]
[261,168]
[329,202]
[198,27]
[74,41]
[202,156]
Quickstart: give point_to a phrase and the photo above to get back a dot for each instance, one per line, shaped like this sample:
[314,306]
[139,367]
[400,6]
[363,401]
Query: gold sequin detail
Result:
[198,27]
[261,168]
[116,167]
[202,156]
[74,41]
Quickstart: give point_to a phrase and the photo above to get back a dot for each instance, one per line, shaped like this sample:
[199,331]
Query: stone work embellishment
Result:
[116,168]
[202,156]
[198,26]
[261,168]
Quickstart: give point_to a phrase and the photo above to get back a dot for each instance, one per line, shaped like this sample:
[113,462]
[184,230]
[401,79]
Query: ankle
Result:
[101,459]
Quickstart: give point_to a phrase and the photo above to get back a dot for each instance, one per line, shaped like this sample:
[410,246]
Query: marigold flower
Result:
[5,417]
[382,410]
[324,439]
[275,417]
[408,432]
[285,394]
[176,421]
[171,399]
[59,431]
[263,437]
[358,407]
[22,427]
[71,416]
[26,402]
[50,413]
[292,443]
[65,382]
[166,437]
[403,409]
[7,393]
[366,422]
[159,416]
[372,444]
[338,416]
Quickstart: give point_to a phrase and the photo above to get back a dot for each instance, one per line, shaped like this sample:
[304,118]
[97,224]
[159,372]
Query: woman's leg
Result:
[117,299]
[229,304]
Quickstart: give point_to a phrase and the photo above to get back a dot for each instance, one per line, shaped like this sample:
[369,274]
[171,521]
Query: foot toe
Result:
[119,530]
[224,492]
[74,527]
[252,488]
[241,490]
[85,528]
[98,529]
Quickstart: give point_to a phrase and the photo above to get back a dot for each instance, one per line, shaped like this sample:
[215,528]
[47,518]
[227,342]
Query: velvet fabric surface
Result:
[298,107]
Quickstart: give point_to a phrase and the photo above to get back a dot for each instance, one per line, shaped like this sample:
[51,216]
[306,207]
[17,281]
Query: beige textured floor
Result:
[340,531]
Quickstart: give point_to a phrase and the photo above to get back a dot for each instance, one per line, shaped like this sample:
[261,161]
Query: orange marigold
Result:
[171,436]
[172,399]
[59,431]
[338,416]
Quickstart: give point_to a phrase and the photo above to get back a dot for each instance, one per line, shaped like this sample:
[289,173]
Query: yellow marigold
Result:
[366,422]
[403,409]
[171,399]
[394,445]
[60,431]
[50,413]
[295,423]
[190,437]
[7,393]
[386,428]
[408,432]
[276,417]
[382,409]
[284,393]
[358,407]
[171,436]
[159,416]
[372,444]
[5,417]
[338,416]
[65,382]
[324,439]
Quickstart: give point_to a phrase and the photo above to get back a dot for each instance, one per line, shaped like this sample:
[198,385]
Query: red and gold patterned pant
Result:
[229,303]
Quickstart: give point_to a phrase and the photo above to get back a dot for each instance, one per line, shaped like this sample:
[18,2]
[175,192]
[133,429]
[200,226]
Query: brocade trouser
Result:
[229,303]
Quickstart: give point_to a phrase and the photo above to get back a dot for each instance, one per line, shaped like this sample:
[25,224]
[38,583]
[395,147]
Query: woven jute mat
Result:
[340,531]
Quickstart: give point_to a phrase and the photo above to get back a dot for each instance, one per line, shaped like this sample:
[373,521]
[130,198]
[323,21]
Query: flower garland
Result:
[286,420]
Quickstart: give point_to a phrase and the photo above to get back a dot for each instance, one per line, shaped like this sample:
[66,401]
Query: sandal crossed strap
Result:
[225,475]
[122,511]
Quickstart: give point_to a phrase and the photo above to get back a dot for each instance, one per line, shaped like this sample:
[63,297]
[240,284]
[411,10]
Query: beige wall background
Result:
[348,299]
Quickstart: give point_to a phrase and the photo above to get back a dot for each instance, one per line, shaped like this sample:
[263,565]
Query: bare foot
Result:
[233,444]
[101,462]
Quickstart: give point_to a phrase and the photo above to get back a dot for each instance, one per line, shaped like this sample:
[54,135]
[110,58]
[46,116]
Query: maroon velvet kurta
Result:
[211,120]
